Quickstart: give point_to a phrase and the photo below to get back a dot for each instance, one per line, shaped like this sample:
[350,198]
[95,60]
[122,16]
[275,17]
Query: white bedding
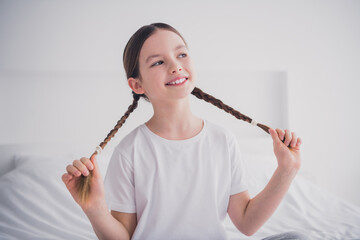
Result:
[36,205]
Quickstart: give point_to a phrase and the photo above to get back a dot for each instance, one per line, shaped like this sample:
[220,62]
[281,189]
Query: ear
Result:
[136,86]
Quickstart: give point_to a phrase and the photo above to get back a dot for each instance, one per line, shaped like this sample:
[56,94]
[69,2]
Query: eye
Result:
[183,55]
[157,63]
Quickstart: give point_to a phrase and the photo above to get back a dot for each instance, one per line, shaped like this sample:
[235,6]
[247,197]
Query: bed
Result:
[36,205]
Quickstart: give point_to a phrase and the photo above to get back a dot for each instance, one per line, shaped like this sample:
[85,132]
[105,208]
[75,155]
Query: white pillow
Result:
[35,203]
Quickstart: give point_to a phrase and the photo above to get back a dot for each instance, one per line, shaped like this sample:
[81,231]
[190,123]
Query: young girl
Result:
[175,176]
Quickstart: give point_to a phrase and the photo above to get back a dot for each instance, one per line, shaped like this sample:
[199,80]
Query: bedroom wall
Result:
[314,43]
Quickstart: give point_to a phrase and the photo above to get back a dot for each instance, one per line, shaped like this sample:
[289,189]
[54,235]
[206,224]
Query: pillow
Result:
[35,203]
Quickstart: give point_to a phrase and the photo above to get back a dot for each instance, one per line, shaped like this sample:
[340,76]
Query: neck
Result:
[174,120]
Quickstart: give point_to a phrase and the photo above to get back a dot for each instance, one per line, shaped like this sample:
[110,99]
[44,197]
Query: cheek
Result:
[151,75]
[190,68]
[189,64]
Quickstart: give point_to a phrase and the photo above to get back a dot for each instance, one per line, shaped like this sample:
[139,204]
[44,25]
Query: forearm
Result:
[106,226]
[262,206]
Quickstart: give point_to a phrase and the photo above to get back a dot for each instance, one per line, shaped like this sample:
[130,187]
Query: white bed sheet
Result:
[36,205]
[306,208]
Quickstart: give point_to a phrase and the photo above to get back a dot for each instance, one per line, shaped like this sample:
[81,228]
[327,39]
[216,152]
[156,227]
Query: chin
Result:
[190,87]
[184,93]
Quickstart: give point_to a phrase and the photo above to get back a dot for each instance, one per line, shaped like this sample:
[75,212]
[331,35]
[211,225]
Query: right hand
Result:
[96,200]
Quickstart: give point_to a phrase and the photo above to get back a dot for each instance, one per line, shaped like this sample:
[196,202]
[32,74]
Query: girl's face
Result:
[166,71]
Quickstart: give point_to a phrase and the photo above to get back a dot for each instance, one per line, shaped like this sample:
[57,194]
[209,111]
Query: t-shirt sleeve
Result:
[238,172]
[119,184]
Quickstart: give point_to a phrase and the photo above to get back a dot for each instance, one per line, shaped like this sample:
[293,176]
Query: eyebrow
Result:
[157,55]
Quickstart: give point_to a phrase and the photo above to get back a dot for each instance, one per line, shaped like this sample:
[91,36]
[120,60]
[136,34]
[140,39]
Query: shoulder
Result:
[223,139]
[220,135]
[220,132]
[129,141]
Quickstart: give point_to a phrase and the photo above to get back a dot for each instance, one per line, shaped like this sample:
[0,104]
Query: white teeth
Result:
[177,81]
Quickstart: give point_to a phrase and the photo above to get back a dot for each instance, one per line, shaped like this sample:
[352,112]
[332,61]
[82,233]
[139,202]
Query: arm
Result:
[114,225]
[248,215]
[106,226]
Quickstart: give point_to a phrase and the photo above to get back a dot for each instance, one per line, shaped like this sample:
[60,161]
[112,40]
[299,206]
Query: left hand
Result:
[287,152]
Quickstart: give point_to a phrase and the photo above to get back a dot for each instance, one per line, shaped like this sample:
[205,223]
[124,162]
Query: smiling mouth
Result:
[177,82]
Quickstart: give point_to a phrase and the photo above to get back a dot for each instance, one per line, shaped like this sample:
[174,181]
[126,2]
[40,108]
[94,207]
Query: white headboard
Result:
[62,107]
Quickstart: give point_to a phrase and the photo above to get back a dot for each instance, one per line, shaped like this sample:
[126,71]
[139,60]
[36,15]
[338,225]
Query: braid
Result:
[218,103]
[122,120]
[83,185]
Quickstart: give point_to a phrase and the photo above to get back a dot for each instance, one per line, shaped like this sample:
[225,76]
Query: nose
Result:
[175,68]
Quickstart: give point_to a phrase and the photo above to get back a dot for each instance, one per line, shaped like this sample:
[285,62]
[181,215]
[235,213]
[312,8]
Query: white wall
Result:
[315,42]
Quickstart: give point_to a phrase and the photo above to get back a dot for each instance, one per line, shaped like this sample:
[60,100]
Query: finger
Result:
[73,171]
[281,134]
[66,177]
[93,159]
[299,142]
[81,167]
[274,135]
[293,139]
[87,163]
[287,137]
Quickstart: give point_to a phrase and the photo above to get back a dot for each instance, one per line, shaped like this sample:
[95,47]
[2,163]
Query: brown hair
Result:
[131,64]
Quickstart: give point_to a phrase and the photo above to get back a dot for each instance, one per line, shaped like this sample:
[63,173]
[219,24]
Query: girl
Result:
[175,176]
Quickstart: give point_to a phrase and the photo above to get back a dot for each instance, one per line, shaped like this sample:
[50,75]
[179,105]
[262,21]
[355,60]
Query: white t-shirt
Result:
[180,189]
